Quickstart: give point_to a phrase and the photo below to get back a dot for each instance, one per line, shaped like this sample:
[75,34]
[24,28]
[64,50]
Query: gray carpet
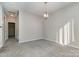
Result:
[38,48]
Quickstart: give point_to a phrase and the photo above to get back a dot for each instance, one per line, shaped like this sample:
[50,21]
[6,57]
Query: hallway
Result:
[37,48]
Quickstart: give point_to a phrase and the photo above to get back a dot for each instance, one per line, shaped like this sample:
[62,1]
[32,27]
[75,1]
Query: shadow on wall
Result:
[65,34]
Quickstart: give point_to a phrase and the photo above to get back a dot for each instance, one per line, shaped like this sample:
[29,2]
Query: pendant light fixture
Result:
[45,15]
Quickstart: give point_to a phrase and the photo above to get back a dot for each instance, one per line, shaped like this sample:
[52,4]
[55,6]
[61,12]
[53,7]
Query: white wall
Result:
[17,27]
[1,42]
[6,29]
[30,27]
[61,17]
[2,27]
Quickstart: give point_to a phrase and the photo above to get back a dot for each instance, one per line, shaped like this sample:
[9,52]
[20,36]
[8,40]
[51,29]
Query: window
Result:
[65,35]
[61,35]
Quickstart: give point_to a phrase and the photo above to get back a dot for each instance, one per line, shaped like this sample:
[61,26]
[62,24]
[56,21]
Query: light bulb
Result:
[46,15]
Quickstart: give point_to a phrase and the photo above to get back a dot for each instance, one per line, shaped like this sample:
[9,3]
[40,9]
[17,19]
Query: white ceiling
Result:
[37,8]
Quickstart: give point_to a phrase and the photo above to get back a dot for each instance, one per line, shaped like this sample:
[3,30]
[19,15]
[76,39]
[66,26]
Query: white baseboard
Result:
[28,40]
[62,45]
[73,46]
[53,41]
[48,40]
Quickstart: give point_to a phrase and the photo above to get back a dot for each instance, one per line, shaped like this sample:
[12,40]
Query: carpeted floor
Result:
[38,48]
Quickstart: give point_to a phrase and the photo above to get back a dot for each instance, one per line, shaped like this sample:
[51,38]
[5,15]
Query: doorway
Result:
[11,30]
